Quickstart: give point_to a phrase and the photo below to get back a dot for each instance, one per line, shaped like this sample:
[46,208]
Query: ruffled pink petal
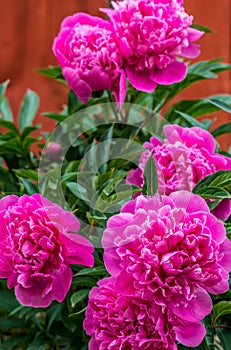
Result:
[140,79]
[80,87]
[173,73]
[190,201]
[191,334]
[84,18]
[200,306]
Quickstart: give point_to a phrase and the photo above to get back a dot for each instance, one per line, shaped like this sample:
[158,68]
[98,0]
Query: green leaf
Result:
[220,309]
[190,120]
[55,116]
[29,108]
[27,173]
[30,187]
[224,335]
[5,110]
[223,129]
[54,72]
[221,105]
[78,296]
[213,192]
[150,177]
[202,28]
[221,179]
[94,271]
[3,87]
[9,125]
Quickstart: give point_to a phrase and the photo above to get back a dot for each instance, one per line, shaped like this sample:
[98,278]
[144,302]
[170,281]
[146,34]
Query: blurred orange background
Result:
[28,28]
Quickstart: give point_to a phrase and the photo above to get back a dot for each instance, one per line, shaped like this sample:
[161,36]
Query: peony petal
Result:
[80,87]
[225,250]
[194,34]
[32,296]
[84,18]
[191,334]
[197,309]
[120,90]
[223,210]
[7,201]
[78,249]
[192,51]
[62,279]
[173,73]
[140,79]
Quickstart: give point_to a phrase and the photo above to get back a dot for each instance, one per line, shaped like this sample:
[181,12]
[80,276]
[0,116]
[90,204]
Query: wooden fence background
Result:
[28,27]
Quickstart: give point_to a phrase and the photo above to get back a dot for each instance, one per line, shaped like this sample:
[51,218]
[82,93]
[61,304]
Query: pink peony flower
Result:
[186,156]
[151,35]
[89,56]
[37,245]
[115,321]
[169,250]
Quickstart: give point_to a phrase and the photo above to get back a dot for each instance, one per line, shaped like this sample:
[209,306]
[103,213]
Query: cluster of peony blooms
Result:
[142,40]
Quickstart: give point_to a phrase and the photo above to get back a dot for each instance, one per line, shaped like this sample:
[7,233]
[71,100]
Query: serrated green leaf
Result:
[29,108]
[150,177]
[78,296]
[220,309]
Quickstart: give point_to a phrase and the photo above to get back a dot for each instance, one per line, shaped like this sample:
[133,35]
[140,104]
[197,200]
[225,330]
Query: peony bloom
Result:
[170,250]
[151,36]
[90,59]
[186,156]
[37,245]
[115,321]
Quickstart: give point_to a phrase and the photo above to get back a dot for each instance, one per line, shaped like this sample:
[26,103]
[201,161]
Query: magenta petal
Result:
[78,249]
[225,249]
[223,210]
[93,345]
[61,283]
[140,79]
[32,296]
[191,334]
[120,90]
[197,309]
[173,73]
[84,18]
[80,87]
[7,201]
[194,34]
[192,51]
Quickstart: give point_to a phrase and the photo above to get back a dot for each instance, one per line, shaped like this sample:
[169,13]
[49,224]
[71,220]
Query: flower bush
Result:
[115,229]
